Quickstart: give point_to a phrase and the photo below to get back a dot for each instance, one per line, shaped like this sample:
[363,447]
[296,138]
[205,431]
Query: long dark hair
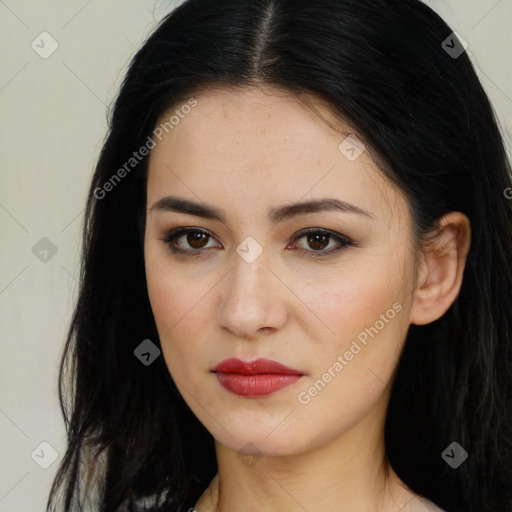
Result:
[383,66]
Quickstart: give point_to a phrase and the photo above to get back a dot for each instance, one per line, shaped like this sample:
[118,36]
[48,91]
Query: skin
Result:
[245,151]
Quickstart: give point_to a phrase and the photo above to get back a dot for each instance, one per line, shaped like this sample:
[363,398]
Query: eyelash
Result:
[343,241]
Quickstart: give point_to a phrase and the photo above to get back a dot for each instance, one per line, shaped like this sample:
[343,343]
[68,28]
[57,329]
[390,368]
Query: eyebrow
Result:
[276,215]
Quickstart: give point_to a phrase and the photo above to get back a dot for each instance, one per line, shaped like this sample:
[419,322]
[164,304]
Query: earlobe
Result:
[441,268]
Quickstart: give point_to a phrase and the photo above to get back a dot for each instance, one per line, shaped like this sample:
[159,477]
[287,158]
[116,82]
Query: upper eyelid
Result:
[176,233]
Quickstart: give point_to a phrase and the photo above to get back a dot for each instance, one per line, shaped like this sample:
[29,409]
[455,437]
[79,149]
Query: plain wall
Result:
[53,121]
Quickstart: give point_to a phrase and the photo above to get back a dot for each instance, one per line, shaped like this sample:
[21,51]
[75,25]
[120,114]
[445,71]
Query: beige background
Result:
[53,120]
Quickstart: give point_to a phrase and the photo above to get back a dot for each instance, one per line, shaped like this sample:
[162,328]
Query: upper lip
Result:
[258,366]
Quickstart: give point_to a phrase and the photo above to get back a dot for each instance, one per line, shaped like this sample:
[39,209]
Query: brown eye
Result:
[196,239]
[319,239]
[318,242]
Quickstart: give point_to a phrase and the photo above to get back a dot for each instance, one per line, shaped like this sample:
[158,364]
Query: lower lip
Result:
[255,385]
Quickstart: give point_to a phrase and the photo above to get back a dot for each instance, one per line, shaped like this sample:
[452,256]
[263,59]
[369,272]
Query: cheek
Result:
[174,295]
[352,302]
[178,303]
[366,312]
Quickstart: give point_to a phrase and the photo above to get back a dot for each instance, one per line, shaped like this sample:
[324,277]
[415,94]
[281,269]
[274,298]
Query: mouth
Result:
[257,378]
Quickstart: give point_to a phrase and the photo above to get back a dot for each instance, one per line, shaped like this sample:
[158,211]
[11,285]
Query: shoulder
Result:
[424,505]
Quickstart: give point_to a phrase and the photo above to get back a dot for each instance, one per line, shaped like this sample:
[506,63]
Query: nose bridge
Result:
[247,280]
[250,300]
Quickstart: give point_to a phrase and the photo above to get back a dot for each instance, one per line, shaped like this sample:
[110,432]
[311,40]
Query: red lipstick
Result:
[255,378]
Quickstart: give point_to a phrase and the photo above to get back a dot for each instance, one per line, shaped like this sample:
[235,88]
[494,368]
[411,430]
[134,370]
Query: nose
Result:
[253,299]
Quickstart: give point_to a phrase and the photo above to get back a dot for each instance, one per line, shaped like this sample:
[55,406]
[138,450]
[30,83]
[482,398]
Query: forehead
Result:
[268,146]
[259,120]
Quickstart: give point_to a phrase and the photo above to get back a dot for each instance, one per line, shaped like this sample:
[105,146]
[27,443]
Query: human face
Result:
[246,152]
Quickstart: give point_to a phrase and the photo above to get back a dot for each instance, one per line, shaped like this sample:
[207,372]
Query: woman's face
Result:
[253,285]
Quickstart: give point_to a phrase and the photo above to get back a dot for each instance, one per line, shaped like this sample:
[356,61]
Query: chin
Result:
[250,439]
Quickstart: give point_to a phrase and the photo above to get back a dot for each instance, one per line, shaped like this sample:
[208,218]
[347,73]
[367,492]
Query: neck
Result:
[348,472]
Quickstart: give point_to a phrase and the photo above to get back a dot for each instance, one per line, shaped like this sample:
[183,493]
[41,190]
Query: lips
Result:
[256,378]
[257,367]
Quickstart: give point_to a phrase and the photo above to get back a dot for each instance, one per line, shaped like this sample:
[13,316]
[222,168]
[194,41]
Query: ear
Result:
[441,268]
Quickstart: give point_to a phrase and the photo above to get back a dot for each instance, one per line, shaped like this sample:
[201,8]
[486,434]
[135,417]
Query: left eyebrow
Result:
[276,215]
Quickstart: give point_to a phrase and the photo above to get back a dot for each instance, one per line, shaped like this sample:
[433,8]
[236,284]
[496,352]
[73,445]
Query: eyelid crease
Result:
[342,240]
